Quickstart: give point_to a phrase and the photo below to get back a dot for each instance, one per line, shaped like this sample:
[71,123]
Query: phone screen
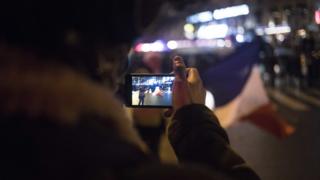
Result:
[149,90]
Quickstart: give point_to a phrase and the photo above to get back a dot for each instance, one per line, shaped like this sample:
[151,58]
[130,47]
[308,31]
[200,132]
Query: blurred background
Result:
[260,62]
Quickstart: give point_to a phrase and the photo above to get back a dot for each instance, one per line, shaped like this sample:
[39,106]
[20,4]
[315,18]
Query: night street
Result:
[160,89]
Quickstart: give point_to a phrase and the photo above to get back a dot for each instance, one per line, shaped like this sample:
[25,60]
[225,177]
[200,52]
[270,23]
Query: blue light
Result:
[205,16]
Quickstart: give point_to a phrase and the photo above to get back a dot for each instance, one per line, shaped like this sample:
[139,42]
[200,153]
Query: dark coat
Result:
[198,138]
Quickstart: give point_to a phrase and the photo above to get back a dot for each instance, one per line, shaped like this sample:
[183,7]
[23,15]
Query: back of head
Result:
[76,33]
[38,91]
[34,23]
[71,32]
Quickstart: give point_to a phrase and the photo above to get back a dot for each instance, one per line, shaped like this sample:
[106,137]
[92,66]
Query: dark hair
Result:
[46,24]
[74,31]
[51,24]
[70,31]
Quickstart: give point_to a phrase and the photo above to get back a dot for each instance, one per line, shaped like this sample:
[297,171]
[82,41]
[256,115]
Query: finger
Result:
[178,63]
[193,75]
[178,59]
[179,68]
[187,72]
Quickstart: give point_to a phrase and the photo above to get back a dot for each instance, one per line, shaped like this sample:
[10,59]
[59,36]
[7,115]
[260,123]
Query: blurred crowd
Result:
[293,61]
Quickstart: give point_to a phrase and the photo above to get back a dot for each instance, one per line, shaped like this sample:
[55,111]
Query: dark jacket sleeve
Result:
[197,137]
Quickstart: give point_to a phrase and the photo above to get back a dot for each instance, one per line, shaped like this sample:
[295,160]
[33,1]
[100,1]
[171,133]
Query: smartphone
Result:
[149,90]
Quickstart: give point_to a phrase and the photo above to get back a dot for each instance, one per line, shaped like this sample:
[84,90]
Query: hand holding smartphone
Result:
[149,90]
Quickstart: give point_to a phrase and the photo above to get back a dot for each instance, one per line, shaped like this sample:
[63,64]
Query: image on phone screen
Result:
[151,90]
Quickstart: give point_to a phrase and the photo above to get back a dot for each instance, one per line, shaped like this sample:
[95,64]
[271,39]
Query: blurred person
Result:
[59,118]
[141,96]
[307,46]
[268,60]
[284,54]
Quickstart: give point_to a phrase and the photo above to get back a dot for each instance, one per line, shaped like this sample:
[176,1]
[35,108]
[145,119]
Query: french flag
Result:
[239,92]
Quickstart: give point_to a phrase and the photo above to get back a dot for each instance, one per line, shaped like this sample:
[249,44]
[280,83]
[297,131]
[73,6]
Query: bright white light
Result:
[302,33]
[276,68]
[240,38]
[271,23]
[277,30]
[172,44]
[188,28]
[221,43]
[189,35]
[205,16]
[210,100]
[260,31]
[280,37]
[145,47]
[156,46]
[231,12]
[212,31]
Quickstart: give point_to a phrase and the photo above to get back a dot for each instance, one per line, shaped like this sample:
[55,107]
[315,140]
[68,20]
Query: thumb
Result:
[179,69]
[180,87]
